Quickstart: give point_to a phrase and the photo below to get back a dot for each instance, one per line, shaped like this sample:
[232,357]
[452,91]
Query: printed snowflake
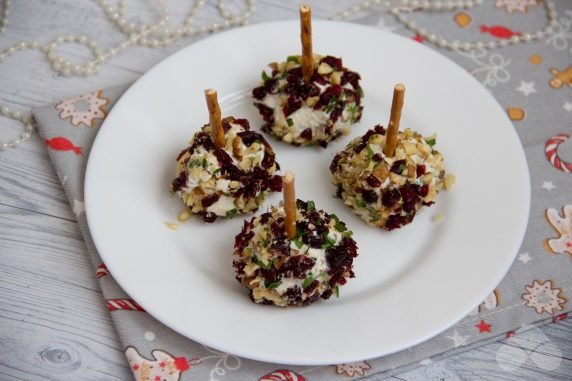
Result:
[352,369]
[84,109]
[543,297]
[515,5]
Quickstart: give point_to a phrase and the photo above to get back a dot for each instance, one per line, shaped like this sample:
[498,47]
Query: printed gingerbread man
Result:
[563,225]
[163,366]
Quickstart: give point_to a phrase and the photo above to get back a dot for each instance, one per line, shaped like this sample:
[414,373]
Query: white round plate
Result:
[410,284]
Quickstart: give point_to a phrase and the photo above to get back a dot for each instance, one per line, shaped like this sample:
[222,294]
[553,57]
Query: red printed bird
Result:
[499,31]
[60,143]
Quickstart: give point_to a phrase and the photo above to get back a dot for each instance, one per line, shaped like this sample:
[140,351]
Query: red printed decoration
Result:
[59,143]
[551,148]
[499,31]
[123,305]
[282,375]
[483,327]
[101,271]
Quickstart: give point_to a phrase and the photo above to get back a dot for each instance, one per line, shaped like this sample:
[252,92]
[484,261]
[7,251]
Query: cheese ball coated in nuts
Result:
[295,272]
[387,192]
[222,182]
[312,113]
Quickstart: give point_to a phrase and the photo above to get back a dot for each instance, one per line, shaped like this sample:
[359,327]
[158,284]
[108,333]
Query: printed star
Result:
[567,106]
[483,327]
[458,340]
[526,88]
[524,258]
[78,207]
[548,185]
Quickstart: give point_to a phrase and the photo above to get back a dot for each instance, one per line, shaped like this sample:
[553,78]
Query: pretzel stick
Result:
[306,37]
[393,128]
[215,118]
[289,205]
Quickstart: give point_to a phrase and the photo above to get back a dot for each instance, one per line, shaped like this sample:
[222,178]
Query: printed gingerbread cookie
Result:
[563,225]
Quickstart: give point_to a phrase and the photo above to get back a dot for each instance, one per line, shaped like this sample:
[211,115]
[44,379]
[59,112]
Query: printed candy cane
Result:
[551,148]
[282,375]
[123,305]
[101,271]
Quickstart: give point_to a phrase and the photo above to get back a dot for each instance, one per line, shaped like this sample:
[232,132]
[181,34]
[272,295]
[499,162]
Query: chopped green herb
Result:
[273,285]
[331,104]
[231,213]
[293,59]
[216,171]
[369,152]
[257,261]
[334,217]
[194,163]
[329,242]
[348,234]
[204,162]
[266,242]
[298,242]
[374,214]
[341,227]
[265,76]
[337,291]
[308,281]
[431,142]
[290,122]
[311,205]
[360,92]
[401,168]
[360,203]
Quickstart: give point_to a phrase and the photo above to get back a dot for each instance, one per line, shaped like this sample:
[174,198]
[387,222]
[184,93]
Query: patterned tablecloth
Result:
[532,81]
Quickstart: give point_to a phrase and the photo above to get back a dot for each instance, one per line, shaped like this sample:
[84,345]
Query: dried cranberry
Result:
[408,194]
[248,137]
[270,85]
[238,266]
[275,184]
[234,173]
[259,92]
[367,135]
[423,190]
[336,113]
[277,227]
[179,182]
[266,112]
[294,293]
[270,275]
[209,200]
[306,134]
[379,129]
[335,162]
[182,153]
[352,78]
[334,62]
[297,266]
[281,246]
[395,221]
[327,294]
[267,160]
[312,286]
[309,90]
[312,240]
[294,75]
[359,147]
[390,197]
[373,181]
[208,217]
[377,157]
[420,169]
[264,217]
[398,166]
[369,196]
[294,103]
[311,299]
[242,122]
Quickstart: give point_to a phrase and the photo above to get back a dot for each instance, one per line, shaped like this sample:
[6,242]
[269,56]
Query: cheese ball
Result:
[297,272]
[387,192]
[313,113]
[222,182]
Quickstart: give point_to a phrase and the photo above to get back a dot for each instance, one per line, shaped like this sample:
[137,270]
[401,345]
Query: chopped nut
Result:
[410,148]
[381,172]
[449,181]
[228,119]
[336,78]
[236,147]
[245,163]
[424,149]
[311,101]
[184,215]
[234,184]
[171,225]
[412,170]
[291,65]
[274,66]
[427,178]
[197,191]
[397,179]
[324,68]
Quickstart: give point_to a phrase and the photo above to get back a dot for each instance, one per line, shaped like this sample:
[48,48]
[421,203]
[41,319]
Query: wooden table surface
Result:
[53,321]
